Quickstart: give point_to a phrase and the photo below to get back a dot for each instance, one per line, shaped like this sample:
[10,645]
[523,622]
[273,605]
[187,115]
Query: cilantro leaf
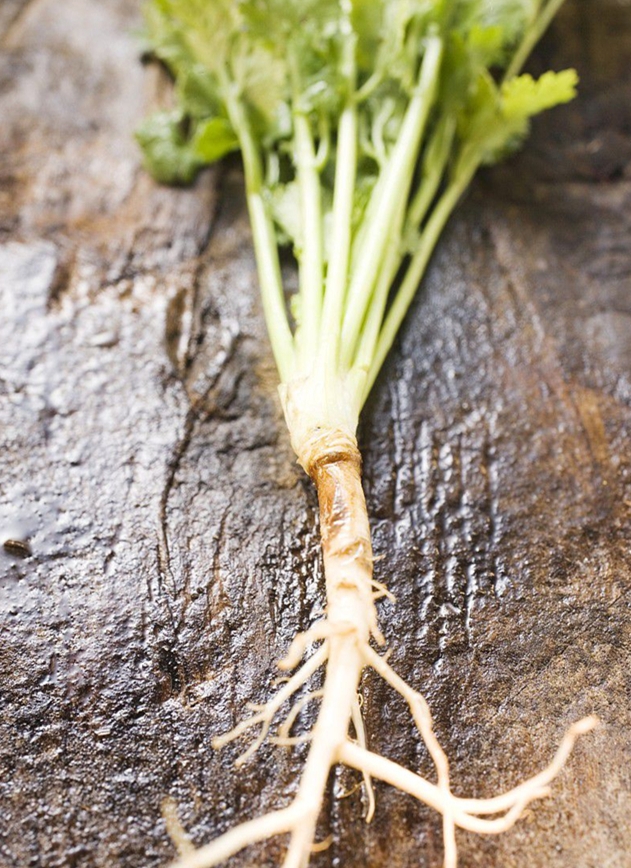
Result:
[167,153]
[524,96]
[175,157]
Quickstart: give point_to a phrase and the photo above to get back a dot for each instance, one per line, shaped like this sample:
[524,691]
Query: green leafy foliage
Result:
[510,17]
[496,118]
[404,98]
[173,155]
[167,154]
[213,139]
[524,96]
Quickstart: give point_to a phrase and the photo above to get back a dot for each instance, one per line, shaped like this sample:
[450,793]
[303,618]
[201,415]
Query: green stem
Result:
[369,86]
[434,163]
[311,265]
[532,36]
[392,262]
[337,273]
[264,237]
[393,185]
[342,210]
[417,266]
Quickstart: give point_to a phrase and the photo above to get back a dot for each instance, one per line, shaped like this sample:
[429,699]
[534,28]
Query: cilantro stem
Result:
[391,263]
[369,86]
[532,35]
[431,233]
[310,261]
[392,187]
[343,201]
[337,273]
[434,162]
[263,234]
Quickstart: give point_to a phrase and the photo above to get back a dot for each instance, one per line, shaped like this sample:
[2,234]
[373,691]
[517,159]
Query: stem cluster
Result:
[347,319]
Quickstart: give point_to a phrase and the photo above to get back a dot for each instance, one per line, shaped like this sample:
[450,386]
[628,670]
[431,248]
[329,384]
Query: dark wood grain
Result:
[174,546]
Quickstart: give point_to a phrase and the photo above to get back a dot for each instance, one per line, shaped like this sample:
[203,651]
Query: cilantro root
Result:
[345,634]
[360,124]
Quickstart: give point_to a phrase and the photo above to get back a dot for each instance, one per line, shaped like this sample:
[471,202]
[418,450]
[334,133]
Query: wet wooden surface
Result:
[173,541]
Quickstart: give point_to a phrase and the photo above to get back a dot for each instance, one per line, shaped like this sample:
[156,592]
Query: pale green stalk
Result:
[392,187]
[393,256]
[532,36]
[434,164]
[416,268]
[337,273]
[264,236]
[370,86]
[311,266]
[342,216]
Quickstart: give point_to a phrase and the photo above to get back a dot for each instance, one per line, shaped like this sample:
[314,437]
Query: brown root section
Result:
[333,462]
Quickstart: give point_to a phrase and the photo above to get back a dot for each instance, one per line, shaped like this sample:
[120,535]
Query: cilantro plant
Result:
[360,124]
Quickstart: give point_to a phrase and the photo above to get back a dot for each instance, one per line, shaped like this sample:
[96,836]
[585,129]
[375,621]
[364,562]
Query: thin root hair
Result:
[472,814]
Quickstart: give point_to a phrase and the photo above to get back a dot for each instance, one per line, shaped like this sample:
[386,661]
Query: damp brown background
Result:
[174,540]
